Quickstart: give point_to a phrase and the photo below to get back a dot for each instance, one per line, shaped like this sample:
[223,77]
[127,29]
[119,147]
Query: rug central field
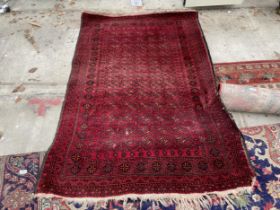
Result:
[142,115]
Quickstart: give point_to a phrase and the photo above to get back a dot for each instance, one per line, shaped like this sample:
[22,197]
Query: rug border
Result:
[245,62]
[43,162]
[242,140]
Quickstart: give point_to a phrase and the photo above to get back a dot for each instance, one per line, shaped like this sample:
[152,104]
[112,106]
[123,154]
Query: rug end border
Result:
[183,201]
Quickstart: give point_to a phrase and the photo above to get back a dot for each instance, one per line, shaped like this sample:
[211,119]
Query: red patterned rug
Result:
[142,117]
[264,73]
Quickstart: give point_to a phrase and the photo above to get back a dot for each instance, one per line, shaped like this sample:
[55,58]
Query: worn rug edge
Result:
[183,201]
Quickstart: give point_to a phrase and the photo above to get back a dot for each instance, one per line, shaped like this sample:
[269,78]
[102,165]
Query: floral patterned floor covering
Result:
[19,173]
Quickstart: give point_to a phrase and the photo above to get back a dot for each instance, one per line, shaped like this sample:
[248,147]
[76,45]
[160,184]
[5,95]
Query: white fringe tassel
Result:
[196,201]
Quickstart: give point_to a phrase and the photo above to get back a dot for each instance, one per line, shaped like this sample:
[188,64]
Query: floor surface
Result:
[37,42]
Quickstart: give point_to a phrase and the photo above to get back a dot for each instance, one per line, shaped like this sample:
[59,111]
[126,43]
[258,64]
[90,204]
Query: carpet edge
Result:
[182,201]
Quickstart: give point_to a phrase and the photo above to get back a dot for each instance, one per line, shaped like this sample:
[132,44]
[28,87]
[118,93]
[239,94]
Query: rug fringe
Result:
[183,201]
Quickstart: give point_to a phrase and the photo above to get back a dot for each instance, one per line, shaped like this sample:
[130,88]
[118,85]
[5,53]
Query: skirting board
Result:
[202,3]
